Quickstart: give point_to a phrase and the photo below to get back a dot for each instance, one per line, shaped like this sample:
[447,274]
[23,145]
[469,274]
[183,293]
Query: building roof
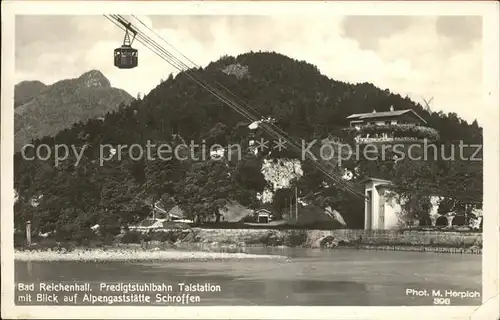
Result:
[263,211]
[171,209]
[384,114]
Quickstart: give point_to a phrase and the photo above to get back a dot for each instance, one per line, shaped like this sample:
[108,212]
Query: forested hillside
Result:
[303,102]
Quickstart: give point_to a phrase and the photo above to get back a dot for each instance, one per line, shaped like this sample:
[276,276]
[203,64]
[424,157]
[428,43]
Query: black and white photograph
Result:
[266,160]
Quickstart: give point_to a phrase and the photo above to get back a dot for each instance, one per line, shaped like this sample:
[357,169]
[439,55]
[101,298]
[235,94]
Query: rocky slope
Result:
[45,110]
[25,91]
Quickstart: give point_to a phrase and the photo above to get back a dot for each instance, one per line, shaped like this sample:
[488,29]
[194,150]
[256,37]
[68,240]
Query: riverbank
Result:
[203,244]
[340,238]
[132,254]
[387,240]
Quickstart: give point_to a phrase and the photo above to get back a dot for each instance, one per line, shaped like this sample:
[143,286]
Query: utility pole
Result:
[28,233]
[296,205]
[154,208]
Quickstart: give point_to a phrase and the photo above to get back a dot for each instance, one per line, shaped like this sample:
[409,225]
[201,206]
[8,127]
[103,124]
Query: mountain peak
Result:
[31,83]
[39,112]
[95,78]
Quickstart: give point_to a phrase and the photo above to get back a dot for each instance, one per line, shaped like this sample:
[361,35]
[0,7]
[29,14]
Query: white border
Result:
[488,10]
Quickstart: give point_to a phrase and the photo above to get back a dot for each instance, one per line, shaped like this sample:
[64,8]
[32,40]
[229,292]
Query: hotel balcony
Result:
[393,133]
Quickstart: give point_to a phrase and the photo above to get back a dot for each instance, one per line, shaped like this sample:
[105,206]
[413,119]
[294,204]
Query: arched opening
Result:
[442,221]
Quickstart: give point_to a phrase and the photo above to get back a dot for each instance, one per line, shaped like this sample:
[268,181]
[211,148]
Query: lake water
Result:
[310,277]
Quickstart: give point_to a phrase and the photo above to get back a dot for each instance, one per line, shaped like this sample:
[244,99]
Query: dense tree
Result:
[283,199]
[206,190]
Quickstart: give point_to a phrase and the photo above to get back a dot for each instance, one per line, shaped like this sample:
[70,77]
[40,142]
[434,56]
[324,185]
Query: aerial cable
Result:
[147,43]
[192,62]
[198,66]
[279,132]
[165,41]
[217,93]
[184,68]
[150,44]
[225,88]
[267,126]
[235,102]
[187,68]
[145,39]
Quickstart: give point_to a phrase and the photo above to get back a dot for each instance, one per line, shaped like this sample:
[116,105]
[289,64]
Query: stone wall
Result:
[399,237]
[234,235]
[372,237]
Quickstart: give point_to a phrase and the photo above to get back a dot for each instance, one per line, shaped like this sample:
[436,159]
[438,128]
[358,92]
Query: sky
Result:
[437,57]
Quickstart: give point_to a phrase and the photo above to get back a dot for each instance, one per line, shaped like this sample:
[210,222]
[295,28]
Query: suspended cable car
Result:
[126,57]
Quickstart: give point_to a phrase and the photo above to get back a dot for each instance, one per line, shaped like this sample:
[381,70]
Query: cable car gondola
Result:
[126,57]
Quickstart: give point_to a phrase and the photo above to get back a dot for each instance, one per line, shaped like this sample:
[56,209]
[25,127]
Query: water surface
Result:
[309,277]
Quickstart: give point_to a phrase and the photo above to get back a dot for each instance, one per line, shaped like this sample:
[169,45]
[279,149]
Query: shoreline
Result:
[223,244]
[133,255]
[201,252]
[409,248]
